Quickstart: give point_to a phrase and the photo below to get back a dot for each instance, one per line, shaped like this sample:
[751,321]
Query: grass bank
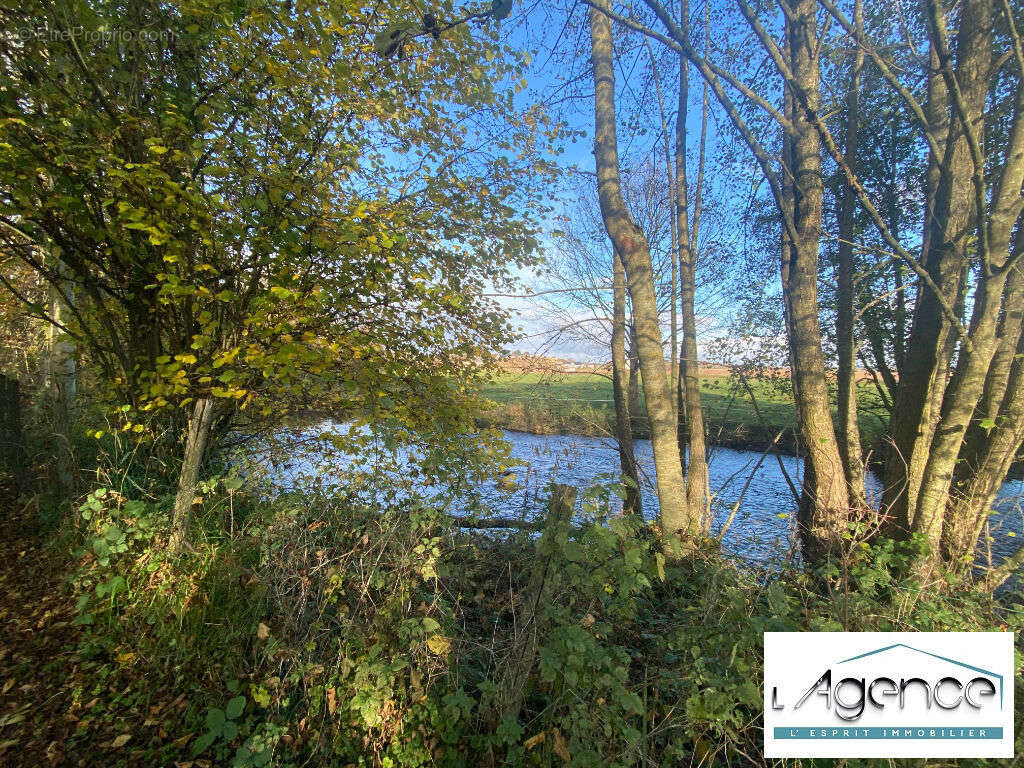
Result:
[581,403]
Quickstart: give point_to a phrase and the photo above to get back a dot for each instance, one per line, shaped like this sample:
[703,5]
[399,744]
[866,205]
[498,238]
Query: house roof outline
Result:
[934,656]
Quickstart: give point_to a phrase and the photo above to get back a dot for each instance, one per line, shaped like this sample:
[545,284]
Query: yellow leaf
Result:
[439,644]
[332,701]
[262,631]
[121,740]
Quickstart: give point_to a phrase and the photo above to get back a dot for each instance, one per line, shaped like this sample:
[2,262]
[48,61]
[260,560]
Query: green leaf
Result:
[203,742]
[235,707]
[215,719]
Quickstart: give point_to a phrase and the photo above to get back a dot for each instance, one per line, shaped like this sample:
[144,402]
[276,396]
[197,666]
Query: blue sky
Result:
[557,37]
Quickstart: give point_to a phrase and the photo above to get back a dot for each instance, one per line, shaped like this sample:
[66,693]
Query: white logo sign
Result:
[888,694]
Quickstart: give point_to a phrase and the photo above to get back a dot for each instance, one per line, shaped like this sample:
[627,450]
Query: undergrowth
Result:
[313,630]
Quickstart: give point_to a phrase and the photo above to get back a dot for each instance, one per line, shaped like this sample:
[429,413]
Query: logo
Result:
[888,694]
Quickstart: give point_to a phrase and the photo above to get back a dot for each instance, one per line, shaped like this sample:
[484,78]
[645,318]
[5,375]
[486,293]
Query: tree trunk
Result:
[195,447]
[63,385]
[623,425]
[954,223]
[636,408]
[849,432]
[977,491]
[995,433]
[631,244]
[825,503]
[677,402]
[931,342]
[693,440]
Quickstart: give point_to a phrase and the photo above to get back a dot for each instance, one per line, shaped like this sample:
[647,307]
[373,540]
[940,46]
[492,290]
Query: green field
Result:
[581,403]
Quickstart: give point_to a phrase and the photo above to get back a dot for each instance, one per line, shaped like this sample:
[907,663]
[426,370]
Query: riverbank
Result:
[737,417]
[540,421]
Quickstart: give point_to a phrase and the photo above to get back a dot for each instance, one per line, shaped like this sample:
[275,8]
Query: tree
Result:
[692,436]
[944,482]
[222,192]
[941,474]
[634,250]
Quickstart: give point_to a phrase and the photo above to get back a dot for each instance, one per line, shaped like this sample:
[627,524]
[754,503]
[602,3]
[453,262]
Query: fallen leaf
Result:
[332,703]
[181,742]
[559,745]
[262,631]
[121,740]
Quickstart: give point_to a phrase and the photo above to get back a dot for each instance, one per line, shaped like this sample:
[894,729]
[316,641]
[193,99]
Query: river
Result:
[763,525]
